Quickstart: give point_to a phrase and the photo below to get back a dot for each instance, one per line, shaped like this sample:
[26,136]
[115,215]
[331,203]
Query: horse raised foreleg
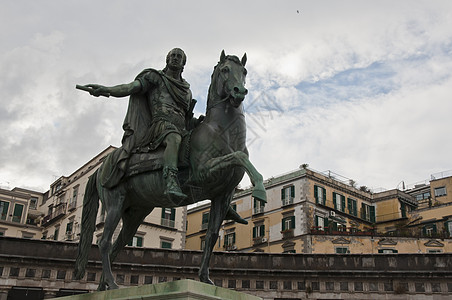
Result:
[111,222]
[218,210]
[240,159]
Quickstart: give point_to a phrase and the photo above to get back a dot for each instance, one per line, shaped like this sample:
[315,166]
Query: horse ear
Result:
[244,59]
[222,56]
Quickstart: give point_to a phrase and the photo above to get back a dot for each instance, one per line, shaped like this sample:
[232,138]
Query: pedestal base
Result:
[176,290]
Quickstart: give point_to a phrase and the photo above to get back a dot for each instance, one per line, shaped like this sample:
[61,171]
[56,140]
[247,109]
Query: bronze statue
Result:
[144,172]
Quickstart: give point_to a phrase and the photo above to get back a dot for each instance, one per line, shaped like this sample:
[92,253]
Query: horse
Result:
[218,162]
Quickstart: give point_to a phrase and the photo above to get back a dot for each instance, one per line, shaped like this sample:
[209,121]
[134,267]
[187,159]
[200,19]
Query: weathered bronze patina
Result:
[168,158]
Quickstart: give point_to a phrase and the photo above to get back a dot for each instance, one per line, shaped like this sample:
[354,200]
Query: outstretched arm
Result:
[121,90]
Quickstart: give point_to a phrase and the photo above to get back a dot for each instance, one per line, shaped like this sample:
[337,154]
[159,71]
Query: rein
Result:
[219,102]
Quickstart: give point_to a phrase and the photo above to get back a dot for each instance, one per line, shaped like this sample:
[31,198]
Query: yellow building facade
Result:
[313,212]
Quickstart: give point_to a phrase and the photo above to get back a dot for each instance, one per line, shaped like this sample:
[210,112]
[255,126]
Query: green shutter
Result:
[334,226]
[446,227]
[372,213]
[349,206]
[363,211]
[173,214]
[355,208]
[139,241]
[163,213]
[262,233]
[292,222]
[316,221]
[424,231]
[292,191]
[254,232]
[325,222]
[283,225]
[283,194]
[334,200]
[205,218]
[324,196]
[316,195]
[343,203]
[4,206]
[434,228]
[233,238]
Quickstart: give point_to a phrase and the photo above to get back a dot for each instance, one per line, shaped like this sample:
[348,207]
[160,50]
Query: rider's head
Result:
[176,59]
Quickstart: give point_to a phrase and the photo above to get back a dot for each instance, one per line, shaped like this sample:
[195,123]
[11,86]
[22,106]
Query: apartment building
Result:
[56,214]
[314,212]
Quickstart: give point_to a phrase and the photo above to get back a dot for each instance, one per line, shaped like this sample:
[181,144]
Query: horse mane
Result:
[210,94]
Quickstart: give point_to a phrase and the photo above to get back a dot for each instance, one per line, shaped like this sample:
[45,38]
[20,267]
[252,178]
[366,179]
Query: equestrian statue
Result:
[169,158]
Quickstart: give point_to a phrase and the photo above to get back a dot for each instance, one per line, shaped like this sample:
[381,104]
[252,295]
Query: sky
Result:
[361,88]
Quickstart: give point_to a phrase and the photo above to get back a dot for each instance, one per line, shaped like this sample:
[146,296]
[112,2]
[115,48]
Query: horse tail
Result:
[89,213]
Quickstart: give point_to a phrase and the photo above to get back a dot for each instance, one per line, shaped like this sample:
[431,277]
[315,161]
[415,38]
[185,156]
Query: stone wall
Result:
[49,265]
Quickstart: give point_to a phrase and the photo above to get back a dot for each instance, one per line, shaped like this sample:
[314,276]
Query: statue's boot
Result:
[234,216]
[173,190]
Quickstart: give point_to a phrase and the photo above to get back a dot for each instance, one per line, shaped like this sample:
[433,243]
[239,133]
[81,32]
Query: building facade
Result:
[56,214]
[47,272]
[313,212]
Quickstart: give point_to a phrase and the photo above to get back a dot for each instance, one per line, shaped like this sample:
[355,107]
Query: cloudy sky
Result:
[361,88]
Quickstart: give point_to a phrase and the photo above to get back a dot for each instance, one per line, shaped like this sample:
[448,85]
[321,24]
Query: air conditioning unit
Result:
[332,213]
[264,240]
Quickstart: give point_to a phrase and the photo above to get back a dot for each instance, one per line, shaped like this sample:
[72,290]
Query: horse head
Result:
[228,81]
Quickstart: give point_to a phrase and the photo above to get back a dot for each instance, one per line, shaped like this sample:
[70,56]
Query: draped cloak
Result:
[145,127]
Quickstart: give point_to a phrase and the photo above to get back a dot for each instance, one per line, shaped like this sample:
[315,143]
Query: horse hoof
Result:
[260,194]
[207,281]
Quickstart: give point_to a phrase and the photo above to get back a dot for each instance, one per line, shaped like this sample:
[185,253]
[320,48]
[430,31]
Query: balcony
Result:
[168,223]
[230,247]
[72,206]
[204,226]
[58,212]
[287,201]
[259,210]
[259,240]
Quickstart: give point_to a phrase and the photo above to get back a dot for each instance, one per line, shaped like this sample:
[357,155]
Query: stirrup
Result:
[173,189]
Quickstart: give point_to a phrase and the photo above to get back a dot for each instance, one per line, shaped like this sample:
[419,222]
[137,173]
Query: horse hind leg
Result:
[111,222]
[131,220]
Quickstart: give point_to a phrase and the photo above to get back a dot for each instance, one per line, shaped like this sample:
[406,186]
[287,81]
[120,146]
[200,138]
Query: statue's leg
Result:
[218,209]
[170,156]
[113,200]
[238,159]
[131,220]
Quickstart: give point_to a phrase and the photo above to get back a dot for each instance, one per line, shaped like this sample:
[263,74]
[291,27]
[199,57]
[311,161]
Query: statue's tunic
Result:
[163,106]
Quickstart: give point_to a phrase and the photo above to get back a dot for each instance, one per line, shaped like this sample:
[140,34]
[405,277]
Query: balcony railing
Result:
[287,234]
[58,212]
[204,226]
[168,223]
[259,209]
[72,206]
[287,201]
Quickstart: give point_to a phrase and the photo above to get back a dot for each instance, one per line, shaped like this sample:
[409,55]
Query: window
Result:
[429,230]
[388,251]
[259,231]
[403,209]
[33,202]
[166,244]
[287,195]
[55,234]
[288,223]
[368,212]
[258,206]
[434,251]
[205,220]
[44,235]
[168,217]
[69,227]
[137,241]
[320,223]
[423,196]
[17,215]
[352,207]
[229,239]
[203,242]
[339,201]
[4,206]
[341,250]
[440,191]
[448,228]
[319,194]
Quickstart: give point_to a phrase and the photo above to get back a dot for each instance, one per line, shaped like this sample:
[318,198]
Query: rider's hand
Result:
[98,89]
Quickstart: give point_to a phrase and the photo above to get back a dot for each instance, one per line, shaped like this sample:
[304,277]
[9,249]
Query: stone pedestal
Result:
[176,290]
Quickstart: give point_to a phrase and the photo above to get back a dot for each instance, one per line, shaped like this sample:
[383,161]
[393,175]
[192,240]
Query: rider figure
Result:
[164,100]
